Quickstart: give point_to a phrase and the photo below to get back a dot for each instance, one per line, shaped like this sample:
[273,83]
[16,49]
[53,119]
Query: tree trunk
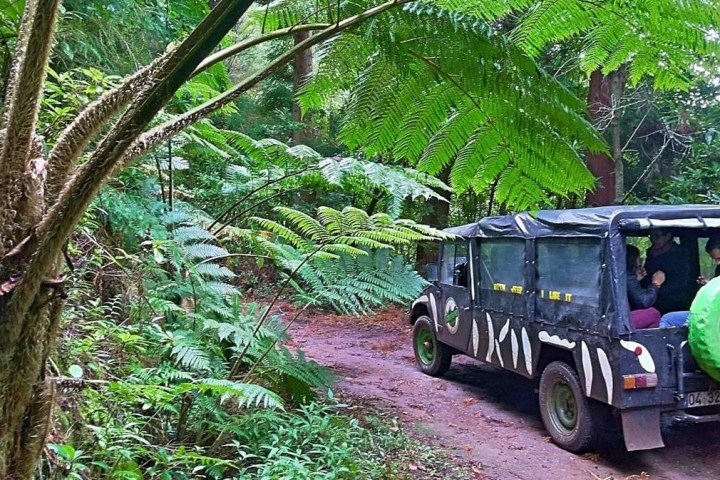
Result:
[600,164]
[617,86]
[302,70]
[26,397]
[604,100]
[437,216]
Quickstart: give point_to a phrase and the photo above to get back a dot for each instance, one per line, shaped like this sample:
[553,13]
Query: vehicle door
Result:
[455,279]
[503,334]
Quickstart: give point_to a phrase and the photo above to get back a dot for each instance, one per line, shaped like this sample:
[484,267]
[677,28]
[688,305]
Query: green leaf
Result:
[75,371]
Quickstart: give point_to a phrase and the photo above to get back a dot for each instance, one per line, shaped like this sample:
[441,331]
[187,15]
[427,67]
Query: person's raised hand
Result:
[640,273]
[702,280]
[658,278]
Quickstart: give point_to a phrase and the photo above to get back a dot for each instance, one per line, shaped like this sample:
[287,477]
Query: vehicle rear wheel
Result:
[431,356]
[704,328]
[567,414]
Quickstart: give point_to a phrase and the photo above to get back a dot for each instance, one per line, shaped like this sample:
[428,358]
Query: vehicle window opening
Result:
[569,270]
[667,273]
[454,265]
[502,265]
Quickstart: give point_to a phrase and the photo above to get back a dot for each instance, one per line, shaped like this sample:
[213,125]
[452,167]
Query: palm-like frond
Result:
[279,165]
[354,284]
[492,116]
[345,232]
[659,39]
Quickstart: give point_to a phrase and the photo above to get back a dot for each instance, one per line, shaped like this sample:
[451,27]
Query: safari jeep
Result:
[544,296]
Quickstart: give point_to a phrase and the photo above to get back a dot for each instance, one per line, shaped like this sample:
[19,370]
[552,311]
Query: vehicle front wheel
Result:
[431,356]
[567,414]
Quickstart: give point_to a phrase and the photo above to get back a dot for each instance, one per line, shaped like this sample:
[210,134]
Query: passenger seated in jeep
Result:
[642,313]
[680,318]
[667,256]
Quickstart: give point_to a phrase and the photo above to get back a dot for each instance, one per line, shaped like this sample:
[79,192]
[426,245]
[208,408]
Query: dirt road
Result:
[488,418]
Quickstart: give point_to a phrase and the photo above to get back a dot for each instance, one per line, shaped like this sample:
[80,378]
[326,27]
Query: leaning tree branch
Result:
[24,105]
[61,220]
[78,134]
[252,192]
[233,50]
[162,132]
[23,31]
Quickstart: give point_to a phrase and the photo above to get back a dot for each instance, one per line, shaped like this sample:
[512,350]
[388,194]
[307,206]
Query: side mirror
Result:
[431,272]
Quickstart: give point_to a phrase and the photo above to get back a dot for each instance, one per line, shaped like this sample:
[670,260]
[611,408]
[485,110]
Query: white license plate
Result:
[702,399]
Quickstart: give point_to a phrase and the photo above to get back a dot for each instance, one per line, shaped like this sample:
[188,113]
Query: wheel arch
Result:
[549,354]
[417,311]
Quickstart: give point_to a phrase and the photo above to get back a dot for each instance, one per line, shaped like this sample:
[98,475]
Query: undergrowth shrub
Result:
[173,375]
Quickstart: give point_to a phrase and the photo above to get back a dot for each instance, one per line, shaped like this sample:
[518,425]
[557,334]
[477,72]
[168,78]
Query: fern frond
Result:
[197,251]
[192,234]
[213,270]
[245,394]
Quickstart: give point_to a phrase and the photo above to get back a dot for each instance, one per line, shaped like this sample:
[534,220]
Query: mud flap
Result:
[641,429]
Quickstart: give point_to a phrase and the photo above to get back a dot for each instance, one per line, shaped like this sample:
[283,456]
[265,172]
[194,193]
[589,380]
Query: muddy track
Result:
[486,417]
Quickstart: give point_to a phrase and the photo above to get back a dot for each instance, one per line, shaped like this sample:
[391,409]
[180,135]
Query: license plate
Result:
[702,399]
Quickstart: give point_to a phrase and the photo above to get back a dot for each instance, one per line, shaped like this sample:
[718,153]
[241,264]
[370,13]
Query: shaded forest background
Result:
[314,187]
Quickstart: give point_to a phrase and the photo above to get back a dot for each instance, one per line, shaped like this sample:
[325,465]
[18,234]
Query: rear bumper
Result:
[683,417]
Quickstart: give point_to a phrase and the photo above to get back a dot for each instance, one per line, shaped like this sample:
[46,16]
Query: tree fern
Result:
[345,232]
[659,39]
[213,270]
[355,284]
[427,102]
[280,166]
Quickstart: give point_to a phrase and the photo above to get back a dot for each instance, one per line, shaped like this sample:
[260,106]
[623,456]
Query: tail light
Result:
[640,380]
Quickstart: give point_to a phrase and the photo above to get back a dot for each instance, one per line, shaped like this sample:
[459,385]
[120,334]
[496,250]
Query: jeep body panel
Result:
[539,315]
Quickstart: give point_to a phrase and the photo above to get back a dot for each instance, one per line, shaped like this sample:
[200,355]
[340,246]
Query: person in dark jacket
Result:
[680,318]
[667,256]
[642,313]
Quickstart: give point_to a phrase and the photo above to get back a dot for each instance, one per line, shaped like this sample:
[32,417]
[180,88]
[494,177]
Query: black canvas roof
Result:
[598,221]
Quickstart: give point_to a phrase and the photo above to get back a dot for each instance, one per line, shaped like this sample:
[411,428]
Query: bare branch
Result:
[162,132]
[242,46]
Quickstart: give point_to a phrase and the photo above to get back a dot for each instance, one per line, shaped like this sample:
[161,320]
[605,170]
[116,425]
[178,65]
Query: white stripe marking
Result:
[555,340]
[645,359]
[527,350]
[491,338]
[422,299]
[475,338]
[472,273]
[499,354]
[514,345]
[607,372]
[504,331]
[433,307]
[587,368]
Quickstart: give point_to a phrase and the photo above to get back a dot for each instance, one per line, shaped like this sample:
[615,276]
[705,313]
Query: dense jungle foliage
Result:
[314,186]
